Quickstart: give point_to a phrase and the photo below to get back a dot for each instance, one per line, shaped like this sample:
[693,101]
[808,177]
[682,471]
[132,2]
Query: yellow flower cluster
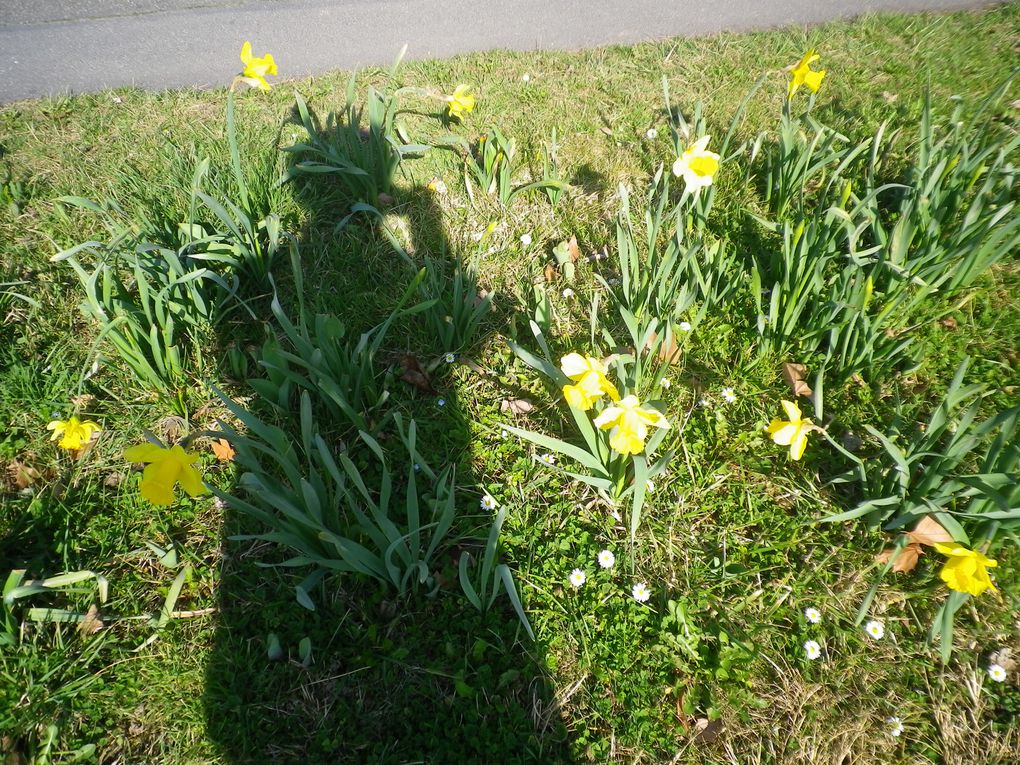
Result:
[626,420]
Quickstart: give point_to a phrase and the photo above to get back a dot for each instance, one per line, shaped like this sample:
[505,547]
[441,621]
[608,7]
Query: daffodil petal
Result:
[143,453]
[785,434]
[792,411]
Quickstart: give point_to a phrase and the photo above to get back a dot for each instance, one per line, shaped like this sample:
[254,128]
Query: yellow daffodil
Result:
[460,103]
[697,165]
[792,433]
[629,423]
[966,570]
[73,433]
[802,74]
[167,467]
[590,375]
[256,69]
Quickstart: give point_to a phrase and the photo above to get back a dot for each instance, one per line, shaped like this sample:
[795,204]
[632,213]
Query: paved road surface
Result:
[59,46]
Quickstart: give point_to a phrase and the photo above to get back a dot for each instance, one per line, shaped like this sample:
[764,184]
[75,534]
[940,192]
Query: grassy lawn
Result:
[204,650]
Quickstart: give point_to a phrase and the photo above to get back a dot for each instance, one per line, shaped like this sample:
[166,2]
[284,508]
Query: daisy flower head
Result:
[526,239]
[449,358]
[640,592]
[568,293]
[525,77]
[548,459]
[997,672]
[504,433]
[813,615]
[895,726]
[607,559]
[650,486]
[812,650]
[875,629]
[578,577]
[665,383]
[728,395]
[651,134]
[685,326]
[487,503]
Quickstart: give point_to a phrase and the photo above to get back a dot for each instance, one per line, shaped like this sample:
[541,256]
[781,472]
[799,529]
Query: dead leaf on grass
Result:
[223,450]
[949,322]
[550,272]
[22,475]
[414,374]
[515,406]
[668,352]
[707,730]
[929,532]
[92,622]
[794,376]
[905,561]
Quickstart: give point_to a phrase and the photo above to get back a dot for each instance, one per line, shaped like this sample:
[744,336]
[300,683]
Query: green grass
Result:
[728,536]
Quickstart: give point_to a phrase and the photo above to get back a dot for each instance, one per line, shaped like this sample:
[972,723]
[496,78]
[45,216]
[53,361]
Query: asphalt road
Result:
[58,46]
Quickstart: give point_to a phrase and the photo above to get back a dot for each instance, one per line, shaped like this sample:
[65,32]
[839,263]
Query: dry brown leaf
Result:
[668,352]
[22,476]
[550,272]
[516,406]
[575,251]
[905,561]
[707,730]
[607,131]
[928,532]
[223,450]
[92,623]
[414,374]
[949,322]
[1003,658]
[794,376]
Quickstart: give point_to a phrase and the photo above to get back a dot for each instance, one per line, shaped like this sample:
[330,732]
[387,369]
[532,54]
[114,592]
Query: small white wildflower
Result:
[997,672]
[875,629]
[504,434]
[812,650]
[728,395]
[118,100]
[487,503]
[526,239]
[813,615]
[219,504]
[665,383]
[525,77]
[578,577]
[607,559]
[895,726]
[568,293]
[641,592]
[651,134]
[704,402]
[685,326]
[441,402]
[650,486]
[449,358]
[548,459]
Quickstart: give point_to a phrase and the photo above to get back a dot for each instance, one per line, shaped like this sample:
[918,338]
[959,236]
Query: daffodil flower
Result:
[590,375]
[697,165]
[166,468]
[792,433]
[74,434]
[629,425]
[966,570]
[801,74]
[460,103]
[256,69]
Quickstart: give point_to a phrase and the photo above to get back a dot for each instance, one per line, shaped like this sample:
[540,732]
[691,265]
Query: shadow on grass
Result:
[411,679]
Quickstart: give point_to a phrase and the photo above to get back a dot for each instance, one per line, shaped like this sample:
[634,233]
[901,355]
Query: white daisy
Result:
[449,358]
[813,615]
[548,459]
[640,592]
[704,402]
[685,326]
[488,503]
[650,486]
[997,672]
[578,577]
[665,383]
[812,650]
[895,726]
[526,239]
[568,293]
[504,434]
[651,134]
[525,77]
[728,395]
[875,629]
[607,559]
